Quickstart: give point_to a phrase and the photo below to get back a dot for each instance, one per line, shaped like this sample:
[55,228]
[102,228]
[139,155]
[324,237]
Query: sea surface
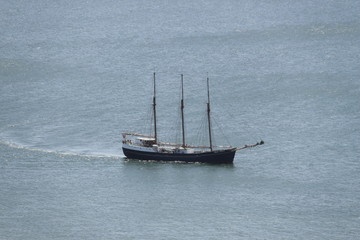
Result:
[75,74]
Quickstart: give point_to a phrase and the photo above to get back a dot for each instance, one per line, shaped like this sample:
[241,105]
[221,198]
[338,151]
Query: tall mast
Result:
[182,111]
[208,113]
[154,110]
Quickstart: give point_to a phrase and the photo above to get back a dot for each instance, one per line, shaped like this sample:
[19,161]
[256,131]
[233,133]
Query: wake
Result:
[58,152]
[5,141]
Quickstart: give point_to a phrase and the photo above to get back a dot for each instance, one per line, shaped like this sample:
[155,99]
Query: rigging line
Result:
[209,115]
[145,121]
[182,111]
[150,120]
[246,124]
[201,136]
[222,132]
[175,126]
[247,127]
[154,110]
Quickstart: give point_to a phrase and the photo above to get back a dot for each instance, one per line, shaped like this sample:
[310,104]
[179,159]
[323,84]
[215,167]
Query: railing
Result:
[171,144]
[136,134]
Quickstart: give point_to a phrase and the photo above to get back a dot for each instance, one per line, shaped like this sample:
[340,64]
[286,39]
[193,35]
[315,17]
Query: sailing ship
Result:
[148,147]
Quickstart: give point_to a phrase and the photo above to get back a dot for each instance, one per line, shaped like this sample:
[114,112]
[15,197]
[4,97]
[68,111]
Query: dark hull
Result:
[214,157]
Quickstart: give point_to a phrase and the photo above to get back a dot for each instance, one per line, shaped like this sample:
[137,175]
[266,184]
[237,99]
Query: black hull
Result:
[214,157]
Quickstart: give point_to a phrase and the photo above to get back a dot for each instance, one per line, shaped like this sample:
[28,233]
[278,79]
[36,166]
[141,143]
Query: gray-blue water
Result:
[75,74]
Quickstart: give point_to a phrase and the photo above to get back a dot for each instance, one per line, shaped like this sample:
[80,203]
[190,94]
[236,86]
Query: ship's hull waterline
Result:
[214,157]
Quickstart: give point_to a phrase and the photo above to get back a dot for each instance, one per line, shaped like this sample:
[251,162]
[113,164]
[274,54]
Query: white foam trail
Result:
[62,153]
[18,146]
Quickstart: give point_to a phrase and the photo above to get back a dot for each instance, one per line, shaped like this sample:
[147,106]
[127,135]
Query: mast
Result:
[154,110]
[208,113]
[182,111]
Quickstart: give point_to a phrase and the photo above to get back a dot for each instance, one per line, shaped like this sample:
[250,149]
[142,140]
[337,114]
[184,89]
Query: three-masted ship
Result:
[148,147]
